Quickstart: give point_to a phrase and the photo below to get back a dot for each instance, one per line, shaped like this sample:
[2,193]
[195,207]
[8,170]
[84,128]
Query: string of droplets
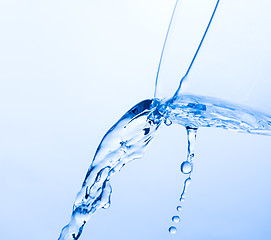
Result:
[187,169]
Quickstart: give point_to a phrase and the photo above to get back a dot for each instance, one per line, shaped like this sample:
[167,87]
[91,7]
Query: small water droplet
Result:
[168,122]
[176,219]
[172,230]
[179,208]
[186,167]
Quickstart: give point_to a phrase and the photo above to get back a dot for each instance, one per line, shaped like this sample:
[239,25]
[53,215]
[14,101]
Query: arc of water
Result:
[195,55]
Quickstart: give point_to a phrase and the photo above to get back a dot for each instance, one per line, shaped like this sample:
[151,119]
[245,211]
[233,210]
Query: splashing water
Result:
[129,137]
[125,141]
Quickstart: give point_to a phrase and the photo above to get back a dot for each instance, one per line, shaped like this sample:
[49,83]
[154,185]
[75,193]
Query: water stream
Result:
[129,138]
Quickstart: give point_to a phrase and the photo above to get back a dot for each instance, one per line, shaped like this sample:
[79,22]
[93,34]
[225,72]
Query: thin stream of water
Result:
[187,169]
[195,55]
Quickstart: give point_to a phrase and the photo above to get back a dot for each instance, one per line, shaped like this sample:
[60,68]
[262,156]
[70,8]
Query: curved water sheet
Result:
[197,111]
[128,138]
[125,141]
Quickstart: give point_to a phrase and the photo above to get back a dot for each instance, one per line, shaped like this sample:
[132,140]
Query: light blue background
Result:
[70,69]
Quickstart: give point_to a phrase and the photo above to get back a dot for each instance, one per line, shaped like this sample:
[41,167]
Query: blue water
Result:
[129,138]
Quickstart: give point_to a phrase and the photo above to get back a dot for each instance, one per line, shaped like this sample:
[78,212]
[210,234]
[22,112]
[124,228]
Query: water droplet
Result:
[182,198]
[186,167]
[176,219]
[179,208]
[172,230]
[168,122]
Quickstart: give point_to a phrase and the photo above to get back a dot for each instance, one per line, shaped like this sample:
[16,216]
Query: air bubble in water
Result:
[176,219]
[186,167]
[172,230]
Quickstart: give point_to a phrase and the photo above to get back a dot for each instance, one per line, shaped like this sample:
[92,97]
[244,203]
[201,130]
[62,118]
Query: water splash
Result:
[125,141]
[129,137]
[197,111]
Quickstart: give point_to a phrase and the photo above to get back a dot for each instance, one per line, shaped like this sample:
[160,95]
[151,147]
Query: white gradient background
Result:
[70,69]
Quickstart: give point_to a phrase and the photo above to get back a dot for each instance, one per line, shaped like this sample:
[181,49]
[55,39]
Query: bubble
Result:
[179,208]
[186,167]
[172,230]
[176,219]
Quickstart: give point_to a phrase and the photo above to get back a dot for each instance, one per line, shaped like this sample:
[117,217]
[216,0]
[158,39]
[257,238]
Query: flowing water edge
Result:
[128,139]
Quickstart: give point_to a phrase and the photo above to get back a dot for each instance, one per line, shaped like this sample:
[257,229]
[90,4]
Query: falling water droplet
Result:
[186,167]
[172,230]
[179,208]
[176,219]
